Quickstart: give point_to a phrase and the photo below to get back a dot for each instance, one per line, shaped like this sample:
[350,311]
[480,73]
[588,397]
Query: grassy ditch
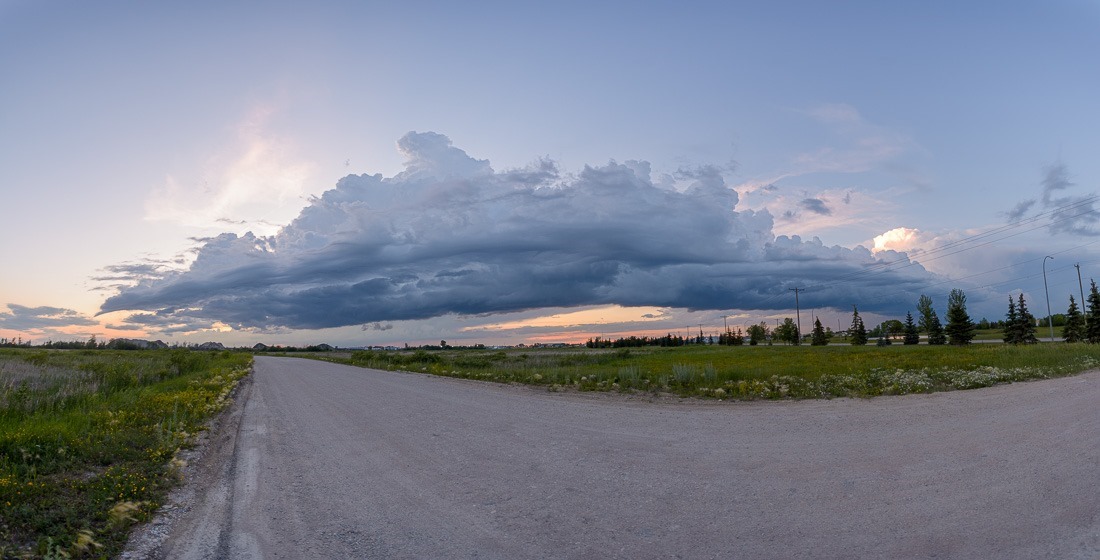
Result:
[88,441]
[760,372]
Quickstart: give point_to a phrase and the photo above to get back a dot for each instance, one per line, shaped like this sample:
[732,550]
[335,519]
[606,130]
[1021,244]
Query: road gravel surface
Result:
[321,460]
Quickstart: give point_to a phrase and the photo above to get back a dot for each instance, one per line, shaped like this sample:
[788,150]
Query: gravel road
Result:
[329,461]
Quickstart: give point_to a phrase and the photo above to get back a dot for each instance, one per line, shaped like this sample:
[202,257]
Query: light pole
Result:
[1050,318]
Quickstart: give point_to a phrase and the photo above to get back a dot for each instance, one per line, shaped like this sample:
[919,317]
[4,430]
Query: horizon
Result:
[374,175]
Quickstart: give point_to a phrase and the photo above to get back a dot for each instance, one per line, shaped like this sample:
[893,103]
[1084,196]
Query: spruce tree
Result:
[1092,321]
[857,333]
[1074,331]
[925,313]
[935,330]
[818,338]
[911,334]
[960,329]
[1025,321]
[1011,334]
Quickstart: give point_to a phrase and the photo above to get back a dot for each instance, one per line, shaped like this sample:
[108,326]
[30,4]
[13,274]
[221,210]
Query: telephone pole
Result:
[796,312]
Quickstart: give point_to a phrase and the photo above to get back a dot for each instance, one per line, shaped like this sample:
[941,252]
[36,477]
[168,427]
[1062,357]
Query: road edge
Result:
[211,455]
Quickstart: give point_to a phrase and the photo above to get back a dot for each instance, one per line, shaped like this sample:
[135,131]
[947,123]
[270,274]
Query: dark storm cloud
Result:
[450,235]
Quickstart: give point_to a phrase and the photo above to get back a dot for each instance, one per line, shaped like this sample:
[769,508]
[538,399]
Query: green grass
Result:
[746,372]
[88,440]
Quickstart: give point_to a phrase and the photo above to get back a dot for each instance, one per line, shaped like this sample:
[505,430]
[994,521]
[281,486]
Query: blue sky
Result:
[574,168]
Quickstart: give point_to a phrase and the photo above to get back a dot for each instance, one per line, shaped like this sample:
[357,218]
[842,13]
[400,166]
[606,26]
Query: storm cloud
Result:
[449,235]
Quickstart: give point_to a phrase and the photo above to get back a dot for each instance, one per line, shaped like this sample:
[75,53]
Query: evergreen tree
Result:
[960,329]
[818,338]
[911,334]
[1092,320]
[1012,319]
[857,333]
[935,330]
[1025,323]
[1074,331]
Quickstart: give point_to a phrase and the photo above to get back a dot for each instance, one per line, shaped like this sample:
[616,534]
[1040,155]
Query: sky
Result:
[376,173]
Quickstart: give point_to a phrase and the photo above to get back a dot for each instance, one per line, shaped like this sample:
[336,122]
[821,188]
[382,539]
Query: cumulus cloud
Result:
[449,235]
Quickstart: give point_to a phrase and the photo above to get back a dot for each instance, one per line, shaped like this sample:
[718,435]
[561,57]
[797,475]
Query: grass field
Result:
[88,440]
[745,372]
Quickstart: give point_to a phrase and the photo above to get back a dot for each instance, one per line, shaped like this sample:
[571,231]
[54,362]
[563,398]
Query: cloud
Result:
[815,205]
[899,239]
[1055,179]
[449,235]
[1020,210]
[380,327]
[23,319]
[257,176]
[1073,214]
[859,145]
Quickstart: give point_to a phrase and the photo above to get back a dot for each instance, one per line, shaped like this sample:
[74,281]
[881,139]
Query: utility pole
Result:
[1050,318]
[796,313]
[1080,286]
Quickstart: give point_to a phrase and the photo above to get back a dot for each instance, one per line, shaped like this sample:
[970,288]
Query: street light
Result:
[1050,318]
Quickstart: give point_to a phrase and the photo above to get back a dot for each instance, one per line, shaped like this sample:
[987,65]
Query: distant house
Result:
[209,346]
[261,347]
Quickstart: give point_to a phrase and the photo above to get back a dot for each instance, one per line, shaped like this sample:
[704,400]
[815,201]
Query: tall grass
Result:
[747,372]
[88,438]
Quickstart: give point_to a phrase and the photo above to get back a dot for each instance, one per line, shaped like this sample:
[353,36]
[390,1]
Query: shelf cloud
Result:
[449,235]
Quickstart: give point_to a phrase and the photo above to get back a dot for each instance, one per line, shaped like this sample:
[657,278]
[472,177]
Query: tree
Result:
[1074,331]
[757,333]
[818,338]
[788,331]
[910,330]
[1092,320]
[1025,323]
[926,312]
[960,329]
[1012,320]
[891,328]
[935,331]
[857,333]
